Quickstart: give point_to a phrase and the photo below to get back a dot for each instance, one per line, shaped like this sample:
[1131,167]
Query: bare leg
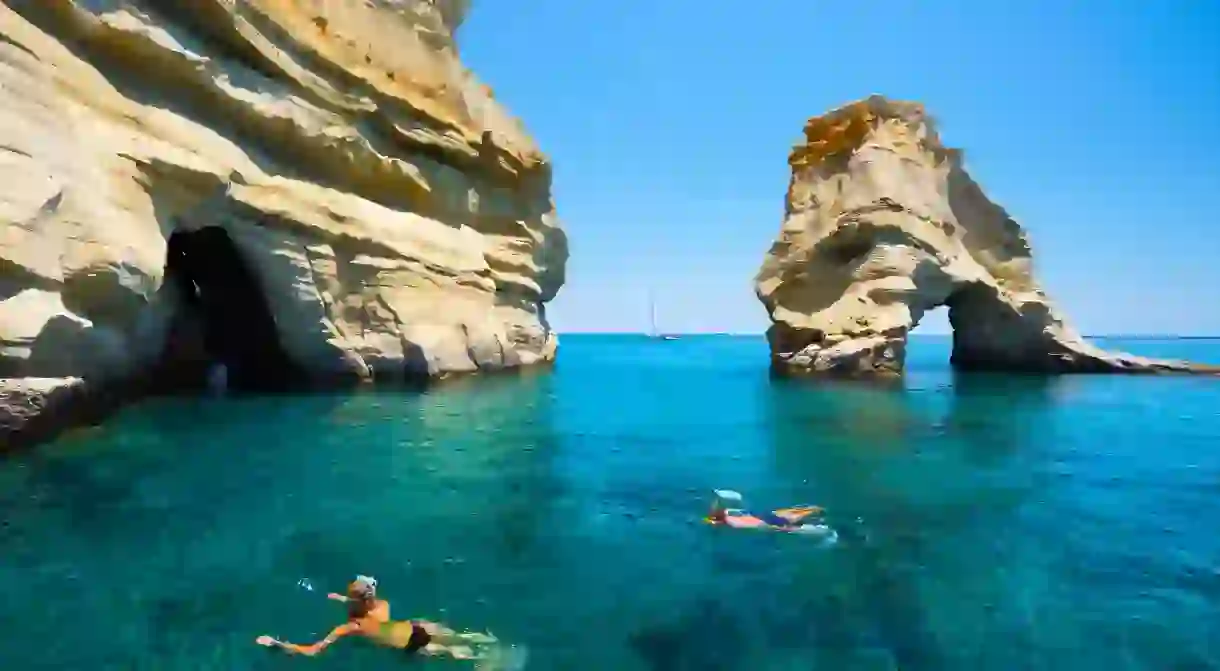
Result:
[446,636]
[436,629]
[477,637]
[798,514]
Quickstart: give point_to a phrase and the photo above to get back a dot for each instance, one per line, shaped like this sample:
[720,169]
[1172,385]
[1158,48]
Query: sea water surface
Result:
[986,522]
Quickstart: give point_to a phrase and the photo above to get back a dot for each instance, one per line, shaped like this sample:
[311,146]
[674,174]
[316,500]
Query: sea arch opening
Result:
[929,341]
[974,327]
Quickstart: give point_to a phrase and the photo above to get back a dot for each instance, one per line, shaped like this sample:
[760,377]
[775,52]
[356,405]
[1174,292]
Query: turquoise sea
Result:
[985,522]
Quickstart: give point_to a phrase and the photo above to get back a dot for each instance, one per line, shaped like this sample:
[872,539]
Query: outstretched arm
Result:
[313,649]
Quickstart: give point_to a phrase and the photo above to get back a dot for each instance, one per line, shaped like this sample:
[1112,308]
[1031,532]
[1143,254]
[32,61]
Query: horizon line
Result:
[1114,336]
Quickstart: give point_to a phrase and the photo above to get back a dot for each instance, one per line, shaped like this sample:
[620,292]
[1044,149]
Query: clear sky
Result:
[1096,124]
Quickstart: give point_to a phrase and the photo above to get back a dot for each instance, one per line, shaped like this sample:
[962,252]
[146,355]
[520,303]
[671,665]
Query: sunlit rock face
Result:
[298,189]
[882,224]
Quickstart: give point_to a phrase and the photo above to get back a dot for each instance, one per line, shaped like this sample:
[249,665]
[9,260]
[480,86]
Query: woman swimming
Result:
[369,617]
[796,518]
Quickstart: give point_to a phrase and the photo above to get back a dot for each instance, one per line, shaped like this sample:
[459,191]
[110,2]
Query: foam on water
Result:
[504,658]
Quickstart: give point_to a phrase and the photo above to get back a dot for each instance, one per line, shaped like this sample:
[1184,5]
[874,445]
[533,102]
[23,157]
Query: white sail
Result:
[652,320]
[652,316]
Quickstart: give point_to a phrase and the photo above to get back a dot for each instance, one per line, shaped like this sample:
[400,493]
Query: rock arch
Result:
[882,223]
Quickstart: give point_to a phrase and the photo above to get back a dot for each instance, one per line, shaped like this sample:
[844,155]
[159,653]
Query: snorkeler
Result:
[369,617]
[797,519]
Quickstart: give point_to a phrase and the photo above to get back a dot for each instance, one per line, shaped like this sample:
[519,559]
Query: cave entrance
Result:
[223,317]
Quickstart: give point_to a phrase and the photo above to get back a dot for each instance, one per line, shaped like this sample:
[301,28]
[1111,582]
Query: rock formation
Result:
[882,224]
[298,189]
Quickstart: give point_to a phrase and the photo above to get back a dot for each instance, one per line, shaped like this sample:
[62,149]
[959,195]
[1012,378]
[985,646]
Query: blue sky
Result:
[1097,125]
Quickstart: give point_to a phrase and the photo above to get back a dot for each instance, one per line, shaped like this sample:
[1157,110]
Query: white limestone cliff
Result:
[307,186]
[882,224]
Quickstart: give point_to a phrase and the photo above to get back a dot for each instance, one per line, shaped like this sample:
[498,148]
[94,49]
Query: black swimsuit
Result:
[420,638]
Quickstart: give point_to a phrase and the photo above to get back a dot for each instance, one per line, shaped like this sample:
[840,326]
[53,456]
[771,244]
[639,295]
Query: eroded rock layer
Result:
[882,224]
[329,163]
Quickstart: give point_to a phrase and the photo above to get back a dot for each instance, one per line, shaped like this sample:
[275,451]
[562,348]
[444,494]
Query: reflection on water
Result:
[986,522]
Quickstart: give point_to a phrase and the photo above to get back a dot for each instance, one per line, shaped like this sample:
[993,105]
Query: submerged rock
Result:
[882,224]
[317,189]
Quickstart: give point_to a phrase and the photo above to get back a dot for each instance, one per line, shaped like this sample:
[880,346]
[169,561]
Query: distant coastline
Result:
[1103,336]
[645,334]
[1150,336]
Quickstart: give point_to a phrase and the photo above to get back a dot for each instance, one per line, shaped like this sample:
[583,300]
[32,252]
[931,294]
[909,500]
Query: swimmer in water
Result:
[782,519]
[369,617]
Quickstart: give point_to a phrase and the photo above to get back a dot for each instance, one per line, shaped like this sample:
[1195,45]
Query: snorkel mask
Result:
[729,500]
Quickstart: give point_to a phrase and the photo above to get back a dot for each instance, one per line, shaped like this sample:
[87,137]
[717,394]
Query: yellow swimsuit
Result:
[391,632]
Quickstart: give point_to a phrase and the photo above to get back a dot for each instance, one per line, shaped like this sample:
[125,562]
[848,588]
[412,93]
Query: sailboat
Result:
[652,313]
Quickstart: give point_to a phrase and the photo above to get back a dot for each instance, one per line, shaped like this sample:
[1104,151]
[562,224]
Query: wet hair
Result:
[362,596]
